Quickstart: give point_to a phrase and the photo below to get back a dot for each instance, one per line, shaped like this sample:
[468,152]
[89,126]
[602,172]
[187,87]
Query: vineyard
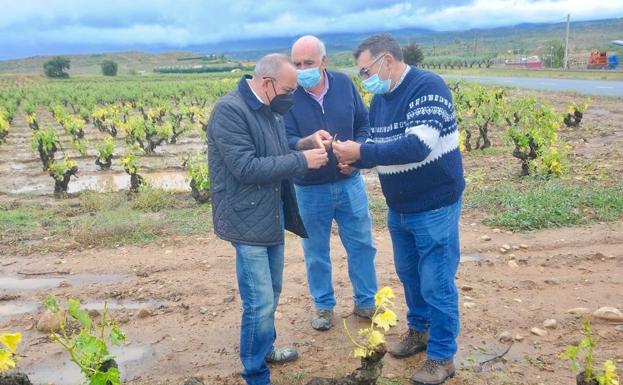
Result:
[135,122]
[452,62]
[105,221]
[119,125]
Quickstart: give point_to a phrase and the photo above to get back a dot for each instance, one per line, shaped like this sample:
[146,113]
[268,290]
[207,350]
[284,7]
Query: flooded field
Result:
[21,169]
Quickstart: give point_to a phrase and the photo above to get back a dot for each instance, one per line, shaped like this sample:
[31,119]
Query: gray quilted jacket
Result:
[250,168]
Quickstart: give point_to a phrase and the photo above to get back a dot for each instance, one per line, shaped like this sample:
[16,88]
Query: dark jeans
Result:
[426,255]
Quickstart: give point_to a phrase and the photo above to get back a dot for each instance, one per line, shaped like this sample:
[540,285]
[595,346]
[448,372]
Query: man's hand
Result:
[345,168]
[319,139]
[316,158]
[347,152]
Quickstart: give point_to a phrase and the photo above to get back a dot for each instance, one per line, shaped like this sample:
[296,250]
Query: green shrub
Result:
[153,199]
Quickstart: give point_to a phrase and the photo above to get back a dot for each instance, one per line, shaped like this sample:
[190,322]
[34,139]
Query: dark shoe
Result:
[323,320]
[434,372]
[363,312]
[282,356]
[411,342]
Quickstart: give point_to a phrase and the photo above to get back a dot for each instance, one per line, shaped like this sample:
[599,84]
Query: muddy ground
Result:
[177,300]
[189,286]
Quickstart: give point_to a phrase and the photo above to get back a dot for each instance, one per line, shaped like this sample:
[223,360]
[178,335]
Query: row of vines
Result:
[530,126]
[141,116]
[144,115]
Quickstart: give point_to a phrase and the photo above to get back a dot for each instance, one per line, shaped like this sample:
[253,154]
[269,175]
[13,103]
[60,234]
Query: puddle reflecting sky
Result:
[133,360]
[17,282]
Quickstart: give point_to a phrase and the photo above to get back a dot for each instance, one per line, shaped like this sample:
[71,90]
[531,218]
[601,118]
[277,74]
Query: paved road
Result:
[587,87]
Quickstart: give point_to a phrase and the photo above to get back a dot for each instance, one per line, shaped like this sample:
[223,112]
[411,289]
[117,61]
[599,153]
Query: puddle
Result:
[477,257]
[16,308]
[166,180]
[114,305]
[133,360]
[39,184]
[15,282]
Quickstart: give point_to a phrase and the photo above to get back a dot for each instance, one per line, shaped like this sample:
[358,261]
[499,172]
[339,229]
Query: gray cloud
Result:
[40,24]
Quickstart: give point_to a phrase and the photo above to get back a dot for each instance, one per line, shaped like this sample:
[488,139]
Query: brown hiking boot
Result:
[434,372]
[411,342]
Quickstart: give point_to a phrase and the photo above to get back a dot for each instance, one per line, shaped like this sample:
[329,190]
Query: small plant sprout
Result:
[609,375]
[199,178]
[62,172]
[575,112]
[581,358]
[87,342]
[369,344]
[47,143]
[8,350]
[384,318]
[105,151]
[130,163]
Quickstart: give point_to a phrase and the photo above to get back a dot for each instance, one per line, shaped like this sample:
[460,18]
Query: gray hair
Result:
[378,44]
[270,65]
[322,50]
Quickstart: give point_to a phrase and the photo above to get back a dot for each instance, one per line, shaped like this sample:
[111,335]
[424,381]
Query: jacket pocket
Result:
[250,200]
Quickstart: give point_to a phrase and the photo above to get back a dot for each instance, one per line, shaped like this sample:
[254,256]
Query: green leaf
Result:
[73,307]
[112,376]
[51,303]
[116,336]
[90,348]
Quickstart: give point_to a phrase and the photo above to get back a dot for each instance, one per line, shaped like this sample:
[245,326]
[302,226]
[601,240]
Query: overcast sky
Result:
[29,27]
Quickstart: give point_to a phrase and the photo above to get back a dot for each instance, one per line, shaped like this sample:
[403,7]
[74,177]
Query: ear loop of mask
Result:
[389,75]
[272,83]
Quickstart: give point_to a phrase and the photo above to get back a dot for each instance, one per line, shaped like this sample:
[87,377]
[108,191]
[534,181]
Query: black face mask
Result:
[281,103]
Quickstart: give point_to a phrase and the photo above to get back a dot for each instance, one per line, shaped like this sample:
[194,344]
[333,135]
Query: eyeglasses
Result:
[364,72]
[288,90]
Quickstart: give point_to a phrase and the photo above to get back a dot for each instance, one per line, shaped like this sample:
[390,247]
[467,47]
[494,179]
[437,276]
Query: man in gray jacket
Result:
[253,199]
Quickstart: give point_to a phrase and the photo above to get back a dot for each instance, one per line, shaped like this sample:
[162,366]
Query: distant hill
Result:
[90,64]
[528,36]
[520,39]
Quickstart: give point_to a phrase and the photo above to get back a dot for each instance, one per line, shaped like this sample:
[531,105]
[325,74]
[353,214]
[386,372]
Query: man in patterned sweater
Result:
[414,145]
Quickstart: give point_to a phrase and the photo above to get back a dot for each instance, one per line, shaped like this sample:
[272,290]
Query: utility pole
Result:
[566,65]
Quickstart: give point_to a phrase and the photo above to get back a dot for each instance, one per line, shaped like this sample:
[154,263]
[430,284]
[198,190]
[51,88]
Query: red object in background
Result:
[599,60]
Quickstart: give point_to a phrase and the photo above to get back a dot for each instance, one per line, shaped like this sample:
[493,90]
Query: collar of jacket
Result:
[247,94]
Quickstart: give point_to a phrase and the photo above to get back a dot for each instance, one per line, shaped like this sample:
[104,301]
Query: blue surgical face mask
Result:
[308,78]
[375,85]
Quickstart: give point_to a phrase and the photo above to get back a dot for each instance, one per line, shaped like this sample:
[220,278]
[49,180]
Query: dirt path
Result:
[189,285]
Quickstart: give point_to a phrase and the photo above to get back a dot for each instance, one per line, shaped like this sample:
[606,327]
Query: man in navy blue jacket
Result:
[327,105]
[414,144]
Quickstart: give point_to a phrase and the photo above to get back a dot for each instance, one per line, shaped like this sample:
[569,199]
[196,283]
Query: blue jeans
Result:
[346,201]
[260,275]
[426,255]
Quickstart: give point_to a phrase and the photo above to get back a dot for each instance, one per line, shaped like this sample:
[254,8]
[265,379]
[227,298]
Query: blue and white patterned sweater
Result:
[414,143]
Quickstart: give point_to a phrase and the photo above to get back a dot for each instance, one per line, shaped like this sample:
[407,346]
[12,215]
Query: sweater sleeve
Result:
[427,112]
